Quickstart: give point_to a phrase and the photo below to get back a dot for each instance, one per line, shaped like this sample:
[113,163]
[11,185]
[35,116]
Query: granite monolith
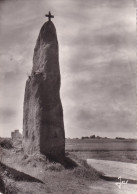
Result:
[43,126]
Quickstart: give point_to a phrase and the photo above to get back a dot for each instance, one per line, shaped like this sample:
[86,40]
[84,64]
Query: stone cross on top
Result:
[49,16]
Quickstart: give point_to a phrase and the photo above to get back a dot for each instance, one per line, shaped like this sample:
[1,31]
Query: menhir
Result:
[43,126]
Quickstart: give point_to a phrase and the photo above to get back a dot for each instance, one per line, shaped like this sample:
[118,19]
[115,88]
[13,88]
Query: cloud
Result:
[7,114]
[98,120]
[97,61]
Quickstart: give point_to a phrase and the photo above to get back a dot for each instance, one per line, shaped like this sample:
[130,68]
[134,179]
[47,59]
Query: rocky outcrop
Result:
[43,127]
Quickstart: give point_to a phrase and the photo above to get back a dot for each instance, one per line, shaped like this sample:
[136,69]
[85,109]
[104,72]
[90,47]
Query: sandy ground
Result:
[111,188]
[115,169]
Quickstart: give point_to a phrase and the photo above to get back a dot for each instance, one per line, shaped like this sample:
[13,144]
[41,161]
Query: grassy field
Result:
[114,157]
[100,145]
[123,156]
[21,174]
[104,149]
[24,174]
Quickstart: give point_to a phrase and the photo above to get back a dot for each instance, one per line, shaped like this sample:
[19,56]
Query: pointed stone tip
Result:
[48,25]
[48,30]
[46,48]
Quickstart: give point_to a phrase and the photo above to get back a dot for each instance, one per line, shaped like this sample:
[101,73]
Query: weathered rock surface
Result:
[43,127]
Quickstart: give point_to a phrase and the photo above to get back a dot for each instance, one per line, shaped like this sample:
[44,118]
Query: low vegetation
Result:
[121,156]
[85,145]
[36,174]
[21,173]
[6,143]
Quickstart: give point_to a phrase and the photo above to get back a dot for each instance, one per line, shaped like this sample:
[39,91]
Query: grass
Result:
[54,167]
[8,186]
[123,156]
[83,170]
[101,144]
[104,149]
[6,143]
[56,177]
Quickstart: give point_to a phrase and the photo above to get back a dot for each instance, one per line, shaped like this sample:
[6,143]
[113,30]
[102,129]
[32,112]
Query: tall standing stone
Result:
[43,127]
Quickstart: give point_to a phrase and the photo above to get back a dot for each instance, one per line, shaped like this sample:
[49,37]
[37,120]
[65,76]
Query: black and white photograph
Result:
[68,97]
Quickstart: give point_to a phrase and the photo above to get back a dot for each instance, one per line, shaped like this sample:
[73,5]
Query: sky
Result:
[97,55]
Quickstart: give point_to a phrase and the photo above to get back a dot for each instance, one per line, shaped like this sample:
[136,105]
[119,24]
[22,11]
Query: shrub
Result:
[54,167]
[86,173]
[6,143]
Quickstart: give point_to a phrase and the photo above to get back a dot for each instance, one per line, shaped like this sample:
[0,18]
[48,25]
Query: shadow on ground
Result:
[2,186]
[16,175]
[66,162]
[115,179]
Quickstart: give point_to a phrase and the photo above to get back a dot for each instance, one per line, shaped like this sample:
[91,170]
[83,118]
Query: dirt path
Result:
[115,169]
[104,187]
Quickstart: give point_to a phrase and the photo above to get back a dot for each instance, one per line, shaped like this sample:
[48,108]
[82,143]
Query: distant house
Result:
[84,137]
[120,138]
[92,137]
[98,137]
[16,134]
